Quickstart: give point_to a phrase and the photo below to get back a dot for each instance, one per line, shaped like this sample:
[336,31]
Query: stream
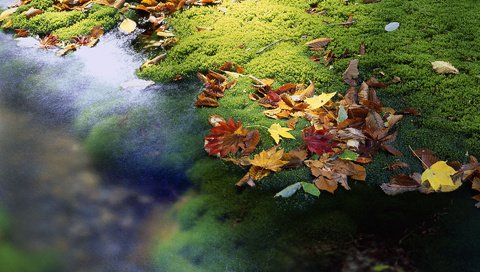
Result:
[94,214]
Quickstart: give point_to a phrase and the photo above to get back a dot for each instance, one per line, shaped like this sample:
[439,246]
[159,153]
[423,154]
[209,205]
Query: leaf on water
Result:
[289,191]
[6,13]
[310,188]
[439,177]
[67,49]
[351,73]
[278,132]
[443,67]
[128,26]
[320,100]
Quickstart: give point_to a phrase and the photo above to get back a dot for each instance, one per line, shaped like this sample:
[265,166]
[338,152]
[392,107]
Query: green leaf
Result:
[342,114]
[310,188]
[348,155]
[289,191]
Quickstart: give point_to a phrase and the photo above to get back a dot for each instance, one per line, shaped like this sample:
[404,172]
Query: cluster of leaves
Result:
[438,176]
[152,16]
[341,136]
[215,84]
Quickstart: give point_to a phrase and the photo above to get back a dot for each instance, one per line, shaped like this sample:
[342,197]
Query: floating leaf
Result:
[278,132]
[443,67]
[128,26]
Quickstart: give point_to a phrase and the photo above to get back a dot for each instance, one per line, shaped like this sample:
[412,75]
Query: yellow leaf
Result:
[269,159]
[277,131]
[320,100]
[128,26]
[438,175]
[7,13]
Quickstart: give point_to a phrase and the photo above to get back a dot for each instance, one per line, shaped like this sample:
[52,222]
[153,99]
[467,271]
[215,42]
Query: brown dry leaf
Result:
[205,101]
[242,161]
[326,184]
[351,74]
[292,123]
[21,33]
[154,61]
[32,12]
[362,49]
[318,44]
[400,184]
[426,156]
[67,49]
[295,158]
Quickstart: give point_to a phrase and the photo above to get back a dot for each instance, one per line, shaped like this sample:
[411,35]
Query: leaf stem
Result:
[425,165]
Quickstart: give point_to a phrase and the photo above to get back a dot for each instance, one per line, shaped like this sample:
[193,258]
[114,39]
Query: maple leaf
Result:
[318,141]
[49,41]
[269,159]
[439,177]
[320,100]
[278,132]
[228,137]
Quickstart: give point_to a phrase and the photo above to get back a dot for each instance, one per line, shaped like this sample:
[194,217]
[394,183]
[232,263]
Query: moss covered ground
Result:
[222,229]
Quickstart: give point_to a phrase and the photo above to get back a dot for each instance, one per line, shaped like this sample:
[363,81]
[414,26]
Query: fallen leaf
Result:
[438,176]
[269,159]
[310,188]
[128,26]
[348,155]
[68,48]
[326,184]
[318,44]
[230,137]
[351,74]
[443,67]
[6,13]
[32,12]
[289,191]
[320,100]
[398,165]
[278,132]
[318,141]
[400,184]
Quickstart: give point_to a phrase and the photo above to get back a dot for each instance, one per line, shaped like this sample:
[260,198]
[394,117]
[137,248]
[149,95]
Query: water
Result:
[95,213]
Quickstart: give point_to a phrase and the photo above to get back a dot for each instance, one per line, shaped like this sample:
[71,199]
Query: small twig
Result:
[426,166]
[340,24]
[270,45]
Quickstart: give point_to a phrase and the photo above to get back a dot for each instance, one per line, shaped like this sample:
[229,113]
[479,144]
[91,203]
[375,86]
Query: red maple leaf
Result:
[228,137]
[318,141]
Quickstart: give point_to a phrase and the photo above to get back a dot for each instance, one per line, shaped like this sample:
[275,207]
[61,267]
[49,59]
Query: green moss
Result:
[65,24]
[105,16]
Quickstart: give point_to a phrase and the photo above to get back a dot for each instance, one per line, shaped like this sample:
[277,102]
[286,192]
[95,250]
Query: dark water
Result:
[95,214]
